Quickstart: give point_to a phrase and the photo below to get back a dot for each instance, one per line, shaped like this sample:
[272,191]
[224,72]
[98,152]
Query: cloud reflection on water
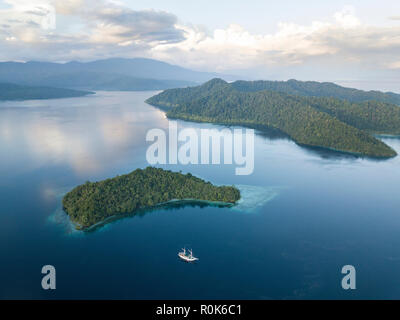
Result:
[84,133]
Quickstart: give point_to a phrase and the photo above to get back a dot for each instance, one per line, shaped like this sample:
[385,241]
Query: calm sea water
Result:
[305,214]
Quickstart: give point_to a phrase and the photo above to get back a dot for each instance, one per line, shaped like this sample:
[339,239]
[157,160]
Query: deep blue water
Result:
[305,215]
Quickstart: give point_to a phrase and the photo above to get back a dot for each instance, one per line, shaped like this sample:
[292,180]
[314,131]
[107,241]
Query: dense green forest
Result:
[317,89]
[314,121]
[91,203]
[371,116]
[9,91]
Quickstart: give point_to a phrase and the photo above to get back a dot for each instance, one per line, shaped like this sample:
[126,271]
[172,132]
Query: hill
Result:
[91,203]
[313,121]
[9,91]
[110,74]
[317,89]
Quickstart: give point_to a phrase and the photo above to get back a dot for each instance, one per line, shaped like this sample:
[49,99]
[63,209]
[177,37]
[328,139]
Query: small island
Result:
[94,202]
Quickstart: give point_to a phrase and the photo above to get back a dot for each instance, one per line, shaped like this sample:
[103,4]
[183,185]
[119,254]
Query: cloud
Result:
[104,29]
[68,7]
[342,39]
[346,17]
[394,65]
[394,18]
[94,29]
[35,13]
[121,25]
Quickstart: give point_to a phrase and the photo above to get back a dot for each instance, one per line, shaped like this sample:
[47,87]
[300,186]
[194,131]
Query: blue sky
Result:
[312,39]
[264,15]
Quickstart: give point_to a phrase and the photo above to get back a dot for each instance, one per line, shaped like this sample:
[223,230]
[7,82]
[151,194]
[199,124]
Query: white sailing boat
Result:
[187,257]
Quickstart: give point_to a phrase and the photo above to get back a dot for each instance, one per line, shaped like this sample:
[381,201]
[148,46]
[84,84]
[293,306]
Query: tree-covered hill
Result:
[317,89]
[91,203]
[312,121]
[10,91]
[175,97]
[371,116]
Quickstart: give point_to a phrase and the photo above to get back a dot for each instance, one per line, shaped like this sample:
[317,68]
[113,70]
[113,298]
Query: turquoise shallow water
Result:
[304,213]
[254,198]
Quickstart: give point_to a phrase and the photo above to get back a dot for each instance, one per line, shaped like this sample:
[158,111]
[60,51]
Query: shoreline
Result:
[284,135]
[386,135]
[348,153]
[144,209]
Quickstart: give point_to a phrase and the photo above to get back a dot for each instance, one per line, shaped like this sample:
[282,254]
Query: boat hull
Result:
[186,258]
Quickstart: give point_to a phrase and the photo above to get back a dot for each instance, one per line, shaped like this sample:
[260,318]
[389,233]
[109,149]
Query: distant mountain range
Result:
[110,74]
[17,92]
[313,114]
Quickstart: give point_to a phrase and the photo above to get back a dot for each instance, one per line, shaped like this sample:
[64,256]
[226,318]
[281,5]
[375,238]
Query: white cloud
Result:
[346,18]
[344,37]
[106,28]
[394,65]
[109,29]
[34,13]
[68,7]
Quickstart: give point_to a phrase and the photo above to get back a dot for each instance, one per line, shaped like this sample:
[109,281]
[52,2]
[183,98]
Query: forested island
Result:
[311,113]
[93,202]
[9,91]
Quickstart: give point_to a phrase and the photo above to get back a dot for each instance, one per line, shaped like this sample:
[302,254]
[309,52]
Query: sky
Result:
[316,40]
